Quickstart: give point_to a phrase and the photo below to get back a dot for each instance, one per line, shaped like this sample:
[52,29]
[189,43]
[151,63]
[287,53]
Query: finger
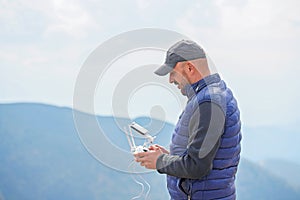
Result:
[148,165]
[141,154]
[156,145]
[144,164]
[153,147]
[140,159]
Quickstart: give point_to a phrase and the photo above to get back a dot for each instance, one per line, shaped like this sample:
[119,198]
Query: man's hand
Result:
[155,146]
[148,159]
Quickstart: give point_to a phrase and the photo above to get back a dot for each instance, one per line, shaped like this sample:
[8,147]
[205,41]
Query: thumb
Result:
[153,147]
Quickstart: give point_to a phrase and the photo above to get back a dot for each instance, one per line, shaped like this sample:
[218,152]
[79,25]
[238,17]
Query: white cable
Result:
[136,181]
[131,142]
[149,188]
[141,194]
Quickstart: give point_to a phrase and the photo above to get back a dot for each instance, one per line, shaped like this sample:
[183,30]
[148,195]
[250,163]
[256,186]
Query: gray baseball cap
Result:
[181,51]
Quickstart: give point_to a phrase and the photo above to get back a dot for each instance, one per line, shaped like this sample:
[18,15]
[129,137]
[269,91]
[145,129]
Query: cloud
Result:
[143,4]
[254,45]
[243,19]
[272,19]
[71,18]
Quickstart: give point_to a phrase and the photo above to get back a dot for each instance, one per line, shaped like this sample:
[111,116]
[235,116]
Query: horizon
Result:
[294,127]
[261,152]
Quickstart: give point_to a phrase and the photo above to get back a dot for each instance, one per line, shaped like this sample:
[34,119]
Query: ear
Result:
[190,67]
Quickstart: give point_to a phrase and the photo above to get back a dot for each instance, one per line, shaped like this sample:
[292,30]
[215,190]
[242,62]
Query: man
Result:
[205,147]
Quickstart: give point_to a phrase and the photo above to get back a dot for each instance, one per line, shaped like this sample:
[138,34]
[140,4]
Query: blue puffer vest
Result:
[219,183]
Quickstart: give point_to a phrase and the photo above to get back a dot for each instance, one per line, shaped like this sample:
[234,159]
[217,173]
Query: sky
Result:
[254,44]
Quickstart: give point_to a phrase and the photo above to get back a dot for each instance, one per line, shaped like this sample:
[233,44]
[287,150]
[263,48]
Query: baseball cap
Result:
[182,50]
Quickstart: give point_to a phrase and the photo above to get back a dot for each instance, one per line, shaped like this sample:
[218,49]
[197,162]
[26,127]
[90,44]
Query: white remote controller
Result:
[139,149]
[141,130]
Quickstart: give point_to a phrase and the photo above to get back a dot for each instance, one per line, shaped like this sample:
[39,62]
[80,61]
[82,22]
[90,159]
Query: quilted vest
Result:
[219,182]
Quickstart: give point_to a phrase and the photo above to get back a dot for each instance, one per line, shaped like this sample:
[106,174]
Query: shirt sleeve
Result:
[205,130]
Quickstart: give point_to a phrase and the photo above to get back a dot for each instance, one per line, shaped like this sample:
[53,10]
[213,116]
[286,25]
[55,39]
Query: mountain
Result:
[271,143]
[43,156]
[256,182]
[284,169]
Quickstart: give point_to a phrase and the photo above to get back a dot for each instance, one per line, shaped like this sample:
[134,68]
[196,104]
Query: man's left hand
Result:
[148,159]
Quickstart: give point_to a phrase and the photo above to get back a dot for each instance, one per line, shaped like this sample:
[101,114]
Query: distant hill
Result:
[42,157]
[271,143]
[286,170]
[255,182]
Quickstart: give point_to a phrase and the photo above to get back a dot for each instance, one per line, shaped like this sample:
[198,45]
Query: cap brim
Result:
[164,70]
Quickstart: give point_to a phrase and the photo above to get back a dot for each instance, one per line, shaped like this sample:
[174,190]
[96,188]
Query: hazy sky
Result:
[254,44]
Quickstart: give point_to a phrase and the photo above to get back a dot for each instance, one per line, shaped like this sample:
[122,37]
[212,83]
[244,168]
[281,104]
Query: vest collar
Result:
[194,88]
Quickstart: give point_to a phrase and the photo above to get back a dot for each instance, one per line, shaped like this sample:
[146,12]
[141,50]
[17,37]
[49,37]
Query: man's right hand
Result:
[156,146]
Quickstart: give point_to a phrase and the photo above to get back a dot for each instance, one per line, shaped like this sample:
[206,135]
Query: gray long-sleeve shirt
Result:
[205,130]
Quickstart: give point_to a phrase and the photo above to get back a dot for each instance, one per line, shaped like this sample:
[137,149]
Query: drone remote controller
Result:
[139,149]
[142,131]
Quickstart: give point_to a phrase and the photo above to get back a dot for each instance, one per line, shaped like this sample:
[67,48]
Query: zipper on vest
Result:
[189,197]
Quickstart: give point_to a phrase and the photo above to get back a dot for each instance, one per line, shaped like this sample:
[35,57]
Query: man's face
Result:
[178,76]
